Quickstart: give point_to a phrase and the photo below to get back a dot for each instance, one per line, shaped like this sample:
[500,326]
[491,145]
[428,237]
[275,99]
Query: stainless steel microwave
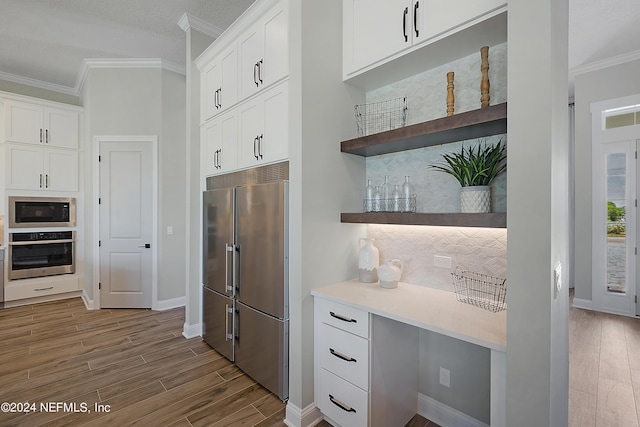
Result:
[42,212]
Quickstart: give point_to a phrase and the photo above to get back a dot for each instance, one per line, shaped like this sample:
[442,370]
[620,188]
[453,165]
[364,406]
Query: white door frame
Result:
[602,301]
[153,140]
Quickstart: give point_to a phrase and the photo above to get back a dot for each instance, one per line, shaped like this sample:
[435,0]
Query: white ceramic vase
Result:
[475,199]
[368,261]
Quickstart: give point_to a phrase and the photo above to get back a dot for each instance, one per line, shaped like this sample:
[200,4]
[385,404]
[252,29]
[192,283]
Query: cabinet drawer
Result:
[341,401]
[31,288]
[344,354]
[342,316]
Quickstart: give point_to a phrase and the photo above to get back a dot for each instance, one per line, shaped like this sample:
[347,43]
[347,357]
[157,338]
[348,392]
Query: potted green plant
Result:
[475,169]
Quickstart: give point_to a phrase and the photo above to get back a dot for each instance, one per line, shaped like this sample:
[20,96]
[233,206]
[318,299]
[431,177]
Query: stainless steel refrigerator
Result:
[245,275]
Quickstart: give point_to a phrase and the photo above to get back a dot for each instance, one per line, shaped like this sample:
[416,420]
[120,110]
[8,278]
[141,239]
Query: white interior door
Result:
[126,223]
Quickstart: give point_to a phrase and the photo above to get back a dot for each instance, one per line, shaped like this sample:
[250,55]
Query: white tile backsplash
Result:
[483,250]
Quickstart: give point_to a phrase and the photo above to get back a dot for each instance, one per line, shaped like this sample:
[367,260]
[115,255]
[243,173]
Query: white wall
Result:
[537,205]
[142,101]
[324,182]
[608,83]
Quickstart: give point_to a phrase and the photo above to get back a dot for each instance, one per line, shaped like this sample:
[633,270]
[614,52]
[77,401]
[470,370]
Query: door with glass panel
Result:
[614,227]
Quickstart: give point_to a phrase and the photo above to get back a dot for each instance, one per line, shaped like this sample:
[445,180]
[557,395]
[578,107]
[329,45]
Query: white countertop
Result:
[424,307]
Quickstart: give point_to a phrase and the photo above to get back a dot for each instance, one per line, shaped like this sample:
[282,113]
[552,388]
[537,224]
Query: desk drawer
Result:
[343,317]
[344,354]
[341,401]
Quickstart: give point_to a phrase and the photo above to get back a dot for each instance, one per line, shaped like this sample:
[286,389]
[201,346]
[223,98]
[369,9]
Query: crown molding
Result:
[38,84]
[605,63]
[88,64]
[192,22]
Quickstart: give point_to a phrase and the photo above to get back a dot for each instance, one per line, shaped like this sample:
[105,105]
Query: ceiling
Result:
[43,42]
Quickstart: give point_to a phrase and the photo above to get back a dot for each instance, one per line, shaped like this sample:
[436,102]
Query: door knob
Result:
[146,245]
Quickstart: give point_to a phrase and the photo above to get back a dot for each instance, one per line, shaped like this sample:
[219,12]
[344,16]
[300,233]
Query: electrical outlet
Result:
[442,261]
[445,377]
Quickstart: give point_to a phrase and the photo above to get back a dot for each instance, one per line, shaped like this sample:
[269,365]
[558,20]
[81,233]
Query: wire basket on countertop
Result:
[381,116]
[481,290]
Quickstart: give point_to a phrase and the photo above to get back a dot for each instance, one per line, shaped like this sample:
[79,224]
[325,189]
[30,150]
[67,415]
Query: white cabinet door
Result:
[34,124]
[24,167]
[61,128]
[251,125]
[36,168]
[264,52]
[374,30]
[24,122]
[210,136]
[220,84]
[220,144]
[60,170]
[264,128]
[441,16]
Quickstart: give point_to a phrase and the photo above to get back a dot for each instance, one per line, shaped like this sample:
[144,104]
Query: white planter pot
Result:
[475,199]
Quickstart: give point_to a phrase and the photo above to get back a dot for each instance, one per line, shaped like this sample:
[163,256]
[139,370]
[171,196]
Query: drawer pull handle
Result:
[342,356]
[343,318]
[43,289]
[341,405]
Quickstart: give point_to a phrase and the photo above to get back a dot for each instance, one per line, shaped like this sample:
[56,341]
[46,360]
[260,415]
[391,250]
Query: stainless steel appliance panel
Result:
[42,212]
[262,349]
[218,250]
[41,254]
[218,322]
[262,282]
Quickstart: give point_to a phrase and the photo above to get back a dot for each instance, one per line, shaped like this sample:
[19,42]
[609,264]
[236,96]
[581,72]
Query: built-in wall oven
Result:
[38,254]
[41,212]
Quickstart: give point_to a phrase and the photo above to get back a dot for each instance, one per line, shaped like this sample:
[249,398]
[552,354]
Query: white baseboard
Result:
[306,417]
[445,415]
[168,304]
[192,331]
[88,302]
[583,303]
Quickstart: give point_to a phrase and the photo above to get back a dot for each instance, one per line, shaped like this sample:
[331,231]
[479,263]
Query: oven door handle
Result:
[40,242]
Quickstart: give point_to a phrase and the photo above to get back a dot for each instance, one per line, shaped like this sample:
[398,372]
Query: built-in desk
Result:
[418,306]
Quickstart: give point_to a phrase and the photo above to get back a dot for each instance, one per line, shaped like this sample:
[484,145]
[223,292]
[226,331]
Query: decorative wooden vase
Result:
[450,96]
[484,83]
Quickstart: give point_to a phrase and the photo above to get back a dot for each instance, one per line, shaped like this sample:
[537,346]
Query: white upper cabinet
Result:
[264,124]
[220,144]
[441,16]
[378,31]
[220,83]
[264,51]
[36,124]
[36,168]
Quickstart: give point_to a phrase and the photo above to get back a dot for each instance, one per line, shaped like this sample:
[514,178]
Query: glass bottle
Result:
[396,198]
[406,195]
[377,200]
[386,195]
[368,197]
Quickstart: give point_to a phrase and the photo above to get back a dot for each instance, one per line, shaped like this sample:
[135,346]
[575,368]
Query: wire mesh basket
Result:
[481,290]
[381,116]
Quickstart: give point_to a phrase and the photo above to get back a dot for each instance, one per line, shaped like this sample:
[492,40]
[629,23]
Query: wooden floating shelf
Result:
[459,127]
[486,220]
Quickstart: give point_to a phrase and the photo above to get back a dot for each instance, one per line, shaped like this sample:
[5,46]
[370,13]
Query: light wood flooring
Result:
[604,369]
[135,361]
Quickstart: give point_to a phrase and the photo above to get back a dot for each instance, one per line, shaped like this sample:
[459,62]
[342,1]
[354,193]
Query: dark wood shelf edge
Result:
[486,220]
[471,124]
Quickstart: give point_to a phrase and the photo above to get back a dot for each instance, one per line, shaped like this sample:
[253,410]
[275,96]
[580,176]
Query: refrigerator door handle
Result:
[228,248]
[228,310]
